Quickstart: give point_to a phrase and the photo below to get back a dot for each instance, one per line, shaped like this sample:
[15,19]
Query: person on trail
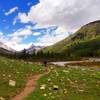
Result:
[45,63]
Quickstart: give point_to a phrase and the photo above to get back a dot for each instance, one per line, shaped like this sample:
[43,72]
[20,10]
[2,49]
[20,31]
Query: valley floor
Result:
[32,81]
[68,83]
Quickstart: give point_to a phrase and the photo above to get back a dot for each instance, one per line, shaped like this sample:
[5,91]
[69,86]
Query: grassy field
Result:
[68,84]
[62,83]
[17,71]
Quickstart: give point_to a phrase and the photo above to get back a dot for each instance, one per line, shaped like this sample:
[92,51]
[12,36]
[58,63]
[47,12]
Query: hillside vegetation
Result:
[84,43]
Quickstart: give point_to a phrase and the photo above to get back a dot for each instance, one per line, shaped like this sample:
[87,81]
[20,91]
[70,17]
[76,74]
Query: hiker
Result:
[45,63]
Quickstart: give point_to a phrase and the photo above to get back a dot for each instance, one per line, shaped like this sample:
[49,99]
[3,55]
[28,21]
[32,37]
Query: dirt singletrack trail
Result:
[30,86]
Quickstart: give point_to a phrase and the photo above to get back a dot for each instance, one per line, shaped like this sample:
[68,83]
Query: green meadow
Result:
[62,83]
[17,71]
[68,84]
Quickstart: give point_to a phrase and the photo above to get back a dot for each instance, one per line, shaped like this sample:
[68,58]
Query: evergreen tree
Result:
[24,54]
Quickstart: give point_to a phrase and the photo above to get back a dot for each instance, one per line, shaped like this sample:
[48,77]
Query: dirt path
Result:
[30,86]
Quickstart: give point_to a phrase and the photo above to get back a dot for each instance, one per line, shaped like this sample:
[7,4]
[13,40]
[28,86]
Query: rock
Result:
[4,75]
[9,75]
[50,93]
[50,88]
[81,91]
[1,98]
[65,92]
[45,95]
[61,80]
[83,69]
[72,83]
[42,87]
[49,80]
[12,83]
[76,81]
[55,87]
[17,72]
[30,62]
[68,80]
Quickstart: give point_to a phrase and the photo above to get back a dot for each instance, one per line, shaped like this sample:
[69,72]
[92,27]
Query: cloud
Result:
[70,14]
[3,38]
[12,10]
[50,39]
[18,47]
[23,17]
[22,32]
[16,43]
[36,33]
[14,21]
[50,36]
[16,38]
[29,3]
[1,34]
[67,15]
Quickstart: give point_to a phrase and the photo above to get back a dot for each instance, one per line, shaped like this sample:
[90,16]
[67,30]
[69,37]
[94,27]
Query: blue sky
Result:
[9,10]
[43,22]
[6,21]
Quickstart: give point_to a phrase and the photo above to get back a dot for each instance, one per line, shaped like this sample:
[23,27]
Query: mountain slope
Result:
[5,50]
[33,48]
[87,32]
[2,45]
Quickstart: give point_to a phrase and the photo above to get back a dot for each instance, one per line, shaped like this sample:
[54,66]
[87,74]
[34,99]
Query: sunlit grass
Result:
[68,84]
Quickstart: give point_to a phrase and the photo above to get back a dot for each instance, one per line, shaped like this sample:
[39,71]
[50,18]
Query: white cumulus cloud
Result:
[70,14]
